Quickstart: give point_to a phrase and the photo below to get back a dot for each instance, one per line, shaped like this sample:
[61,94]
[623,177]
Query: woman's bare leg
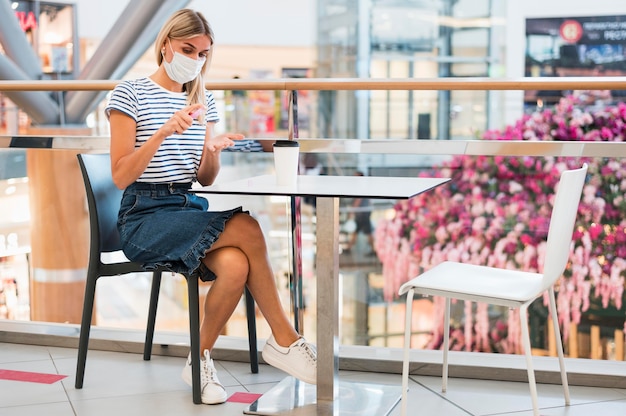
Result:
[244,233]
[231,265]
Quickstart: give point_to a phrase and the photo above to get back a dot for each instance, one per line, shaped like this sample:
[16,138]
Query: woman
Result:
[161,141]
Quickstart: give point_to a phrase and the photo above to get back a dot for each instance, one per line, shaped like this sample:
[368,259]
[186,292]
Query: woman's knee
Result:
[230,263]
[246,227]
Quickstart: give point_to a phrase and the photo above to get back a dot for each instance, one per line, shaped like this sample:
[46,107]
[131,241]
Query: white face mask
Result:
[182,69]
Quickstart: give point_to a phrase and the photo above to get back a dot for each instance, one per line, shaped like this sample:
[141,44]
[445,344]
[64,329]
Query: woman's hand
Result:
[213,145]
[181,120]
[222,141]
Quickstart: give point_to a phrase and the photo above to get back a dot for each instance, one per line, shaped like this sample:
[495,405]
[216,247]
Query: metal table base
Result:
[297,398]
[331,396]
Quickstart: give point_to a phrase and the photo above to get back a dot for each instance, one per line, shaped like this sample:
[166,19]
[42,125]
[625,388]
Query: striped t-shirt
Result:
[151,106]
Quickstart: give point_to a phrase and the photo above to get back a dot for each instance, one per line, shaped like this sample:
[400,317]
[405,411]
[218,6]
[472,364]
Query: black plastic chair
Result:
[103,200]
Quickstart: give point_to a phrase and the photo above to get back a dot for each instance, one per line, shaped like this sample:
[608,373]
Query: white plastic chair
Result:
[510,288]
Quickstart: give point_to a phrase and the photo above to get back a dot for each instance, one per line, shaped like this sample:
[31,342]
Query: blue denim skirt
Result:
[165,225]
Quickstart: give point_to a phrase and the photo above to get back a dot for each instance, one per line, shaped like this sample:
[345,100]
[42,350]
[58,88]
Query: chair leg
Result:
[559,346]
[446,346]
[194,335]
[523,316]
[407,346]
[152,311]
[252,341]
[85,329]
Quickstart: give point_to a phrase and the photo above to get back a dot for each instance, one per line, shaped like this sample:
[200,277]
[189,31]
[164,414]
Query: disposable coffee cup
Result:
[286,157]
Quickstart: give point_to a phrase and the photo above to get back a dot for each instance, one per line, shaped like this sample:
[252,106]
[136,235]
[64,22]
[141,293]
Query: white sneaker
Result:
[299,359]
[212,390]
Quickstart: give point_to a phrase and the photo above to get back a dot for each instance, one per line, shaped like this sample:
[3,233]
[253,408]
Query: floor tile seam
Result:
[16,406]
[441,396]
[620,391]
[564,406]
[514,412]
[71,404]
[222,370]
[69,377]
[235,384]
[247,376]
[139,395]
[249,383]
[582,403]
[23,361]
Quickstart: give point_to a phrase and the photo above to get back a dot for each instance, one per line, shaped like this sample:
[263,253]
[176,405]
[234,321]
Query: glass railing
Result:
[511,168]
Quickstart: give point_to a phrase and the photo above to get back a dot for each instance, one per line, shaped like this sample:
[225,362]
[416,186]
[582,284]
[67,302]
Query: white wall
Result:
[261,22]
[235,22]
[251,35]
[95,18]
[517,13]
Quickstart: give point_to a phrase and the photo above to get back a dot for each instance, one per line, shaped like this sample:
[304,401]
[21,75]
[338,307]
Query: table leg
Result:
[329,396]
[335,397]
[295,280]
[327,271]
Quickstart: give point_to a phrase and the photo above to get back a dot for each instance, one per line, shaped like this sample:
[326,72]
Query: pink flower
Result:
[595,230]
[497,212]
[526,239]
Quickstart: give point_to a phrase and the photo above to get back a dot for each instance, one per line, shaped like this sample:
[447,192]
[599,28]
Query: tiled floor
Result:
[123,384]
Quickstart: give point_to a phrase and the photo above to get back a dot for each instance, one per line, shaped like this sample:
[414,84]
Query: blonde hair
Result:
[185,24]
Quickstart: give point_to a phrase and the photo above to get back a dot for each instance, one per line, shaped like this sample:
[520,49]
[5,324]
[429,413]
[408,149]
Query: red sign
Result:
[571,31]
[28,21]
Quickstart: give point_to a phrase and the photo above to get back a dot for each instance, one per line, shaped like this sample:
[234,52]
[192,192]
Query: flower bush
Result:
[496,212]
